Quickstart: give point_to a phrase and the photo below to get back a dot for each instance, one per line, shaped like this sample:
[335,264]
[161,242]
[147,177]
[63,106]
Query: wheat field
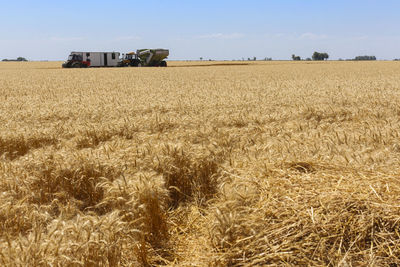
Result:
[200,164]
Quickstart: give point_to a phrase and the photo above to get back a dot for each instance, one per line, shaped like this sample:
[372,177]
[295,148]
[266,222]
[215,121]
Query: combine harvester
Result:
[142,58]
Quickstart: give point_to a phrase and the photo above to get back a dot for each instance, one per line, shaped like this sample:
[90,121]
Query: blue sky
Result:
[49,30]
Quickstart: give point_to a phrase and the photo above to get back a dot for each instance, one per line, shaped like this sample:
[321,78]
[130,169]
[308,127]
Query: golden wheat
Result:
[200,164]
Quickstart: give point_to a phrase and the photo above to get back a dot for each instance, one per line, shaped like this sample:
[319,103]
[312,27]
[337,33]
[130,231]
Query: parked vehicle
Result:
[92,59]
[130,59]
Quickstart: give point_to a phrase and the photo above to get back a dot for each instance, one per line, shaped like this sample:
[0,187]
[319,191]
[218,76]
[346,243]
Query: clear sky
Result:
[216,29]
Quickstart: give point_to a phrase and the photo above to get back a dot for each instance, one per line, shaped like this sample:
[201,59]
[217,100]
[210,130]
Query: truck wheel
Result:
[136,63]
[163,63]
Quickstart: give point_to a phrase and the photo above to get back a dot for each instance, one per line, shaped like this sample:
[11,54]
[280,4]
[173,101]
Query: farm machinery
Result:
[145,58]
[142,58]
[76,61]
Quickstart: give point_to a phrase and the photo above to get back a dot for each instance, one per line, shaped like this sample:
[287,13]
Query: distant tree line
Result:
[242,59]
[296,58]
[324,56]
[255,59]
[320,56]
[18,59]
[315,56]
[365,58]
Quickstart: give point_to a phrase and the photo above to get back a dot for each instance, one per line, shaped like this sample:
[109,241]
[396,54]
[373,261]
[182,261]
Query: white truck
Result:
[92,59]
